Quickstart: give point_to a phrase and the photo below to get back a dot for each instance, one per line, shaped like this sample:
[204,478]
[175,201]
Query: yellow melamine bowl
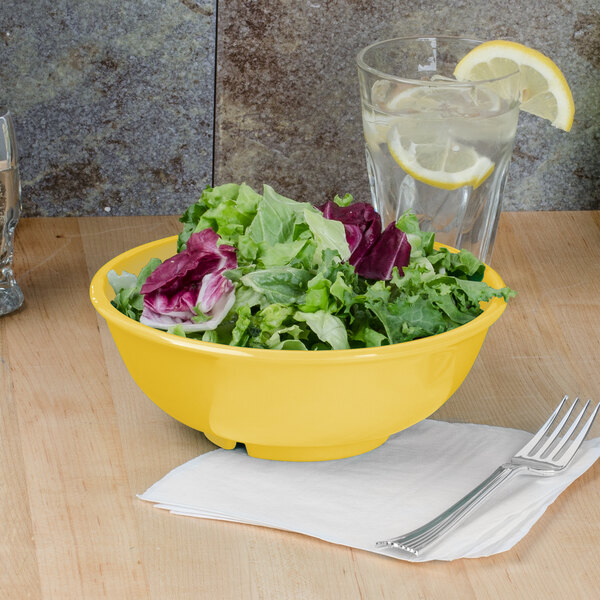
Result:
[290,404]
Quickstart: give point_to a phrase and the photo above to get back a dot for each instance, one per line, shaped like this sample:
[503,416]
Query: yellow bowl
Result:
[290,404]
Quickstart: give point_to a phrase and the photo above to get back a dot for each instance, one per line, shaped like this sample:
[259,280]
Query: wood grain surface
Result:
[79,440]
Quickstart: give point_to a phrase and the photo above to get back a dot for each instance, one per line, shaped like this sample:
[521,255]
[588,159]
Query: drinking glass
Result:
[11,296]
[438,146]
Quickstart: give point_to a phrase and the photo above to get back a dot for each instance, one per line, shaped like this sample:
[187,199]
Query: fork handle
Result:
[425,536]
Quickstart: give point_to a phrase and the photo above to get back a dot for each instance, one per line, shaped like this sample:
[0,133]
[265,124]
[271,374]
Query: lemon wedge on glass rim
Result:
[544,89]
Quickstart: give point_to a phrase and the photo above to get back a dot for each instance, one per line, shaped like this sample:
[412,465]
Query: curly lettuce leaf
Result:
[421,242]
[127,286]
[227,209]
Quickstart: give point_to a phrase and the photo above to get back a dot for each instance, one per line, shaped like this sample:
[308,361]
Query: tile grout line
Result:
[214,111]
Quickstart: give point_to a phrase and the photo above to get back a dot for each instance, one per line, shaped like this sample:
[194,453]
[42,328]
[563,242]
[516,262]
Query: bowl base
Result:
[300,453]
[220,441]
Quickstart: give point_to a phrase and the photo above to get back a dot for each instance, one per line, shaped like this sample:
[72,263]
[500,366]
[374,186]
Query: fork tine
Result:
[576,443]
[540,434]
[548,443]
[570,431]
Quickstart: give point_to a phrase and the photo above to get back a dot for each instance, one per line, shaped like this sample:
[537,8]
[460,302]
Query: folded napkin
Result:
[357,501]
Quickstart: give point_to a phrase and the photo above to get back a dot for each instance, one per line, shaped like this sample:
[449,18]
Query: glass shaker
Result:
[11,296]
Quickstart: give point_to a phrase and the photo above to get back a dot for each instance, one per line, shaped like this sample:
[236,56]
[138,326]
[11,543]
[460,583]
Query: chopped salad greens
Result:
[265,271]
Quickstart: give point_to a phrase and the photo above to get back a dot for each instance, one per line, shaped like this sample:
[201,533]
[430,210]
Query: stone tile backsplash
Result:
[134,107]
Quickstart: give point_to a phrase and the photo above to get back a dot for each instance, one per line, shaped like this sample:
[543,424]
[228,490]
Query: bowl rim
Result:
[115,318]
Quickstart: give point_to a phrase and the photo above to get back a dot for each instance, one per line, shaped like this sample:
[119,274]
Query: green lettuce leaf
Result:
[127,286]
[421,242]
[346,200]
[275,218]
[280,254]
[327,327]
[328,233]
[280,285]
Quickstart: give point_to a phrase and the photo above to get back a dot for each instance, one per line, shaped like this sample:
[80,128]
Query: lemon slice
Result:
[458,102]
[544,89]
[438,161]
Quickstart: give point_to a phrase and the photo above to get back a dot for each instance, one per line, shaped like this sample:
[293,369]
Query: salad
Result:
[266,271]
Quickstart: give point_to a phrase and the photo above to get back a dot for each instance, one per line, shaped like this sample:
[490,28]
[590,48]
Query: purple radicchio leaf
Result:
[361,222]
[191,281]
[392,249]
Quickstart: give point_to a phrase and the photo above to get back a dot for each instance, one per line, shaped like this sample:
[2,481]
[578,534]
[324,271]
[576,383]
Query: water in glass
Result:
[435,145]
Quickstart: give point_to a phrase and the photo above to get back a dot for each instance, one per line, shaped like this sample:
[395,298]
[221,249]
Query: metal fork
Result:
[546,454]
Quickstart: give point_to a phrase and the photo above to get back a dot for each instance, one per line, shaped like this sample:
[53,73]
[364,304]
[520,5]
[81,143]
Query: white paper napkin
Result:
[357,501]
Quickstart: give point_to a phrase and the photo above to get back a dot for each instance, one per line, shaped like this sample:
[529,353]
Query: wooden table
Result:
[78,440]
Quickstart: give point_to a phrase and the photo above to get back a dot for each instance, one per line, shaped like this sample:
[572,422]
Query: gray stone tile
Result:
[287,103]
[113,102]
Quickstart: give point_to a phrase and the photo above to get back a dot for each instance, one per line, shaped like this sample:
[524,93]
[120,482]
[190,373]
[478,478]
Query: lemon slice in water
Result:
[429,138]
[438,161]
[459,102]
[544,89]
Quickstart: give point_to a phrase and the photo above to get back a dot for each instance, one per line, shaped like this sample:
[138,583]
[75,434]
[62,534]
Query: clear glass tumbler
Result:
[11,296]
[438,146]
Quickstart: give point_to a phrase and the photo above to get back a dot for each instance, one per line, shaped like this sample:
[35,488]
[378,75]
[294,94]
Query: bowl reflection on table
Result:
[290,404]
